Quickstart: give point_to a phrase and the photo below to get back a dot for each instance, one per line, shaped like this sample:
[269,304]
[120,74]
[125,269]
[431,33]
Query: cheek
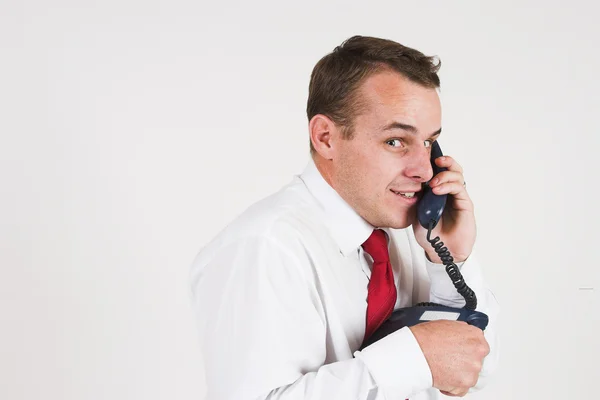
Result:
[353,162]
[365,171]
[372,183]
[382,172]
[371,172]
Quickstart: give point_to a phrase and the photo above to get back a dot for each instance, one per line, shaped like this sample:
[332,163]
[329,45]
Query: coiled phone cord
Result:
[452,271]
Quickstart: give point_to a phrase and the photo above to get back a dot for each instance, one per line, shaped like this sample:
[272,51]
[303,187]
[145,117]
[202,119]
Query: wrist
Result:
[433,257]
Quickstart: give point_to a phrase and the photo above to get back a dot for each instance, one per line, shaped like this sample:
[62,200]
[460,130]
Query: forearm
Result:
[348,379]
[394,364]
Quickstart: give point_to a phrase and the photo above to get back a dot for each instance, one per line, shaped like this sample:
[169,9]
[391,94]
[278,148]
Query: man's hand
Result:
[454,351]
[457,227]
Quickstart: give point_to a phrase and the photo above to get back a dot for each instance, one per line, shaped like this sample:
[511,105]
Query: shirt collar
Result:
[348,228]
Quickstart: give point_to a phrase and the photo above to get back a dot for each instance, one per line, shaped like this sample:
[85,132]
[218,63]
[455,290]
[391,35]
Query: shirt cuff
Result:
[397,362]
[441,285]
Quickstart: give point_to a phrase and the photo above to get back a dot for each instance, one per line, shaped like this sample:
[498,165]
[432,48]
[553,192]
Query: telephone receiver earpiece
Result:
[431,206]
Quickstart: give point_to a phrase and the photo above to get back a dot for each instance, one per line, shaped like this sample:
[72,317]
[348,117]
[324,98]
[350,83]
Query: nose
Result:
[419,165]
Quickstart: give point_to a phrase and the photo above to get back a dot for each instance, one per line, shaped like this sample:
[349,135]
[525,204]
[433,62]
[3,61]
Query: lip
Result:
[415,190]
[407,200]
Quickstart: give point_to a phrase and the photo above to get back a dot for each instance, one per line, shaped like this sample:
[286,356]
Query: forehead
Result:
[388,96]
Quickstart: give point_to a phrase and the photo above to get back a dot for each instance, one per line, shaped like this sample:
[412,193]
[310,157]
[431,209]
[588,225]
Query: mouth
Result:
[406,195]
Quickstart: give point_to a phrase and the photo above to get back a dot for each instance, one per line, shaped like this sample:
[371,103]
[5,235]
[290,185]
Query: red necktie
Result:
[382,290]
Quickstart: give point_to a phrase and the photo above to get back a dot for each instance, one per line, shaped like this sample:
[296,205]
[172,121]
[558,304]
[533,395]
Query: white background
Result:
[131,132]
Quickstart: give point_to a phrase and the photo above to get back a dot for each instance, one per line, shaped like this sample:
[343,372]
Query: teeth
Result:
[408,195]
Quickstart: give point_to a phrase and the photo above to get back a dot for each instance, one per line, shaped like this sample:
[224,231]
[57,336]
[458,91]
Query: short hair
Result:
[336,78]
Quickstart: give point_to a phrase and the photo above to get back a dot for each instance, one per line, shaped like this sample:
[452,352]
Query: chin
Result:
[398,223]
[404,222]
[401,225]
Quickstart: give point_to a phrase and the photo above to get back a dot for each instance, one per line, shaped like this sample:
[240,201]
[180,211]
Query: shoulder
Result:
[278,221]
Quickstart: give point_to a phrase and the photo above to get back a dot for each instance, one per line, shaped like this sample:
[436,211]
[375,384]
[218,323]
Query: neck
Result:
[325,168]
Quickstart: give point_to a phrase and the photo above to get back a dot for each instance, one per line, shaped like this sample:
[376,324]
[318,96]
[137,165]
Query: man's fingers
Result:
[448,162]
[453,188]
[455,392]
[447,176]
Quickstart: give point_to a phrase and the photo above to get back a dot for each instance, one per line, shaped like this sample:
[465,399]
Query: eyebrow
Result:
[408,128]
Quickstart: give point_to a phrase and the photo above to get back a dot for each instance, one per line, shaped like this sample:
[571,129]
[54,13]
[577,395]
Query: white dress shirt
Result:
[280,296]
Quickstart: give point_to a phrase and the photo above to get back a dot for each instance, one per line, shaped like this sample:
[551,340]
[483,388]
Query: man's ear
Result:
[323,135]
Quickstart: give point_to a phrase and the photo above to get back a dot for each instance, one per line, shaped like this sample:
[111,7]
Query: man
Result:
[283,294]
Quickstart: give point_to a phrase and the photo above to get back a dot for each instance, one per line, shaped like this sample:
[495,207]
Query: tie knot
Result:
[376,246]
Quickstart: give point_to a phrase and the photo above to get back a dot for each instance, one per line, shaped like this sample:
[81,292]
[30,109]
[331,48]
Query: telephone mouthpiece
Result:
[431,209]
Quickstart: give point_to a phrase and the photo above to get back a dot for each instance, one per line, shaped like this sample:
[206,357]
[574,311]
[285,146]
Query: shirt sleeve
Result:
[442,291]
[263,333]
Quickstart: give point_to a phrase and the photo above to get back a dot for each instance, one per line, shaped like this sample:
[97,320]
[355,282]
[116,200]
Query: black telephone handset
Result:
[429,212]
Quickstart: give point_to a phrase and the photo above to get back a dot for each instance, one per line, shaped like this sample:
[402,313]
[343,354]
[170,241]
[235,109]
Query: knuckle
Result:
[477,365]
[469,380]
[486,348]
[465,381]
[483,347]
[473,380]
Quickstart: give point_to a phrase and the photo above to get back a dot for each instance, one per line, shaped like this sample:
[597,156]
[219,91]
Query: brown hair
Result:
[335,80]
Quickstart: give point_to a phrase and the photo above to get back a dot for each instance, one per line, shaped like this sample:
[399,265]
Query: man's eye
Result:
[395,142]
[428,143]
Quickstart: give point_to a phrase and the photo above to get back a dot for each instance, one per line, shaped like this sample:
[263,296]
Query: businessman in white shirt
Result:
[286,294]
